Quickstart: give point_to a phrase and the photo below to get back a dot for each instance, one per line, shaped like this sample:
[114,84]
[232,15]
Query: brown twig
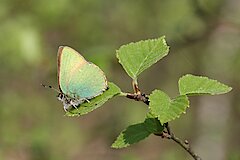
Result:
[168,133]
[184,144]
[138,97]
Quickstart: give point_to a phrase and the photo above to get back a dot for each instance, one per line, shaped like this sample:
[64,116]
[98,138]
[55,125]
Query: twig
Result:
[165,134]
[138,97]
[184,144]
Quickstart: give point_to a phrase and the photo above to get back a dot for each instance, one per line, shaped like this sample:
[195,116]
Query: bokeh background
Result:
[205,40]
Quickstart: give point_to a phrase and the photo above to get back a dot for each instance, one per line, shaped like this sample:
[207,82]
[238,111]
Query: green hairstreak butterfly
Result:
[78,79]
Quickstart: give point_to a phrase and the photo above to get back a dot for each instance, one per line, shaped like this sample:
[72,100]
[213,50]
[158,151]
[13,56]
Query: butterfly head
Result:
[67,102]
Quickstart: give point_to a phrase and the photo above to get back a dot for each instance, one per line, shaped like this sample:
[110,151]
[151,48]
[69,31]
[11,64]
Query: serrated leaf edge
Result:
[201,93]
[170,102]
[142,41]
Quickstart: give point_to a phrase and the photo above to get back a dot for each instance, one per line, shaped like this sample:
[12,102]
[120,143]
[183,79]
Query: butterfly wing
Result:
[88,82]
[77,77]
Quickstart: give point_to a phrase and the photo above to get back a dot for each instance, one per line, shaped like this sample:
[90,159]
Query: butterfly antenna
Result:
[46,86]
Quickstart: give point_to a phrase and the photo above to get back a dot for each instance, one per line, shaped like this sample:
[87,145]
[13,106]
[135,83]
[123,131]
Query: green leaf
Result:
[192,85]
[132,134]
[166,109]
[96,102]
[136,57]
[137,132]
[153,125]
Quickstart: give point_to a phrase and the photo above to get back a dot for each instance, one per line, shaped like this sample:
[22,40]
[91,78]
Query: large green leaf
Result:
[96,102]
[136,57]
[166,109]
[191,85]
[138,132]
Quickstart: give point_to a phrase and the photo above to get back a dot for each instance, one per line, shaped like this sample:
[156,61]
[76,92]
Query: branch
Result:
[184,144]
[138,97]
[165,134]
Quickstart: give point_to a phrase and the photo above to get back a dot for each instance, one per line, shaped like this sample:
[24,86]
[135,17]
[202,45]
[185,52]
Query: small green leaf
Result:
[132,134]
[96,102]
[137,132]
[153,125]
[166,109]
[192,85]
[136,57]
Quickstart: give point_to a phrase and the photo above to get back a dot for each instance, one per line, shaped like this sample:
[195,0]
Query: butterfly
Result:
[78,79]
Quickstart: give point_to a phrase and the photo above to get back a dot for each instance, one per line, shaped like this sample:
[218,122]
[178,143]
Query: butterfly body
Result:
[68,102]
[78,79]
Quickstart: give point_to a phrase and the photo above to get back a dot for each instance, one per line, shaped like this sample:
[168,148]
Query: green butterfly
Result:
[78,79]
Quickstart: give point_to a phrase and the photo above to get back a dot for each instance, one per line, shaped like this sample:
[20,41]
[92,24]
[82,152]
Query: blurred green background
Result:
[205,40]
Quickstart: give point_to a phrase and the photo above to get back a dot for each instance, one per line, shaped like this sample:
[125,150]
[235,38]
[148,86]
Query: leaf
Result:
[137,132]
[153,125]
[131,135]
[166,109]
[136,57]
[96,102]
[192,85]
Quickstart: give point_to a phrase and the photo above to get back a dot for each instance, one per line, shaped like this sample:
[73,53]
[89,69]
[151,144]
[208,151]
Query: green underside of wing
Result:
[89,81]
[79,78]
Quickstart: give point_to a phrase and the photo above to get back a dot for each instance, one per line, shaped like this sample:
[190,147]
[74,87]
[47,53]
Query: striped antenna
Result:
[46,86]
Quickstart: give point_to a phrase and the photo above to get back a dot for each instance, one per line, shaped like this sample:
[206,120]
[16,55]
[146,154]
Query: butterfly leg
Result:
[66,107]
[87,100]
[74,104]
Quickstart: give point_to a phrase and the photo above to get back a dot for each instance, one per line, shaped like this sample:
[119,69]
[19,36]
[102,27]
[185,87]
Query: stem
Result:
[135,87]
[185,145]
[138,97]
[165,134]
[123,94]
